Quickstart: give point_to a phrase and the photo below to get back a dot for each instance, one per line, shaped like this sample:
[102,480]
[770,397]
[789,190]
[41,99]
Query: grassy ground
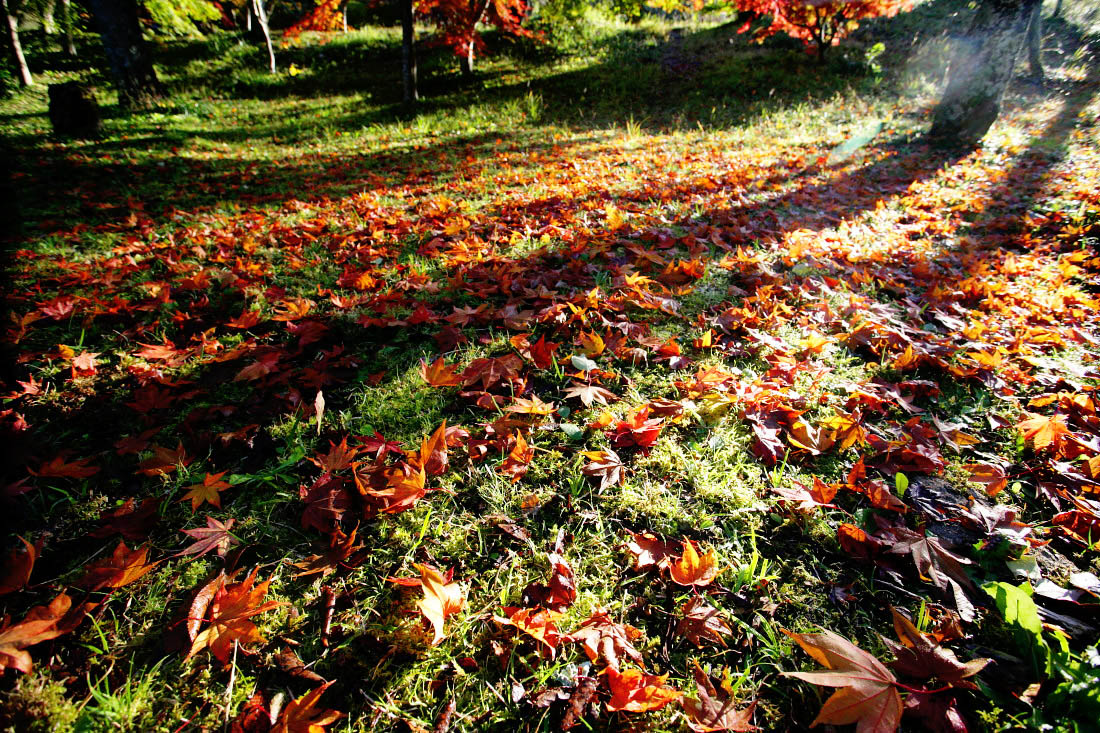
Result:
[667,188]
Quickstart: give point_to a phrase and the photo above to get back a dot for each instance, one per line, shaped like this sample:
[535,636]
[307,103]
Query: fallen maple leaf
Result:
[123,567]
[637,692]
[132,521]
[341,548]
[230,608]
[692,568]
[650,551]
[538,623]
[17,569]
[589,394]
[606,641]
[559,593]
[867,695]
[302,716]
[59,467]
[991,477]
[441,597]
[1044,431]
[920,656]
[214,536]
[604,465]
[164,460]
[715,709]
[41,623]
[518,459]
[207,491]
[700,622]
[439,374]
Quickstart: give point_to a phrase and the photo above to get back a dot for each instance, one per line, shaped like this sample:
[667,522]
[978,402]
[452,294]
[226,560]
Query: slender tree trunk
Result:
[127,55]
[980,71]
[11,13]
[67,22]
[344,17]
[49,27]
[408,52]
[1035,42]
[1057,9]
[260,13]
[466,63]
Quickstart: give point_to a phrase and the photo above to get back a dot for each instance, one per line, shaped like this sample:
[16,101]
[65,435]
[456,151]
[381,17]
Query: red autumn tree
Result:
[327,15]
[817,23]
[457,21]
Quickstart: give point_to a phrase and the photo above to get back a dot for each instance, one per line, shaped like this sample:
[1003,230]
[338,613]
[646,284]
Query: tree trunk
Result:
[980,71]
[260,13]
[11,13]
[127,55]
[466,62]
[1035,42]
[67,22]
[49,27]
[1057,9]
[408,52]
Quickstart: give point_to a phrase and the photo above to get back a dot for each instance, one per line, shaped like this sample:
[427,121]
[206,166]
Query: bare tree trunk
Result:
[261,18]
[67,22]
[11,12]
[980,71]
[129,59]
[1035,42]
[466,63]
[408,52]
[1057,9]
[344,17]
[49,27]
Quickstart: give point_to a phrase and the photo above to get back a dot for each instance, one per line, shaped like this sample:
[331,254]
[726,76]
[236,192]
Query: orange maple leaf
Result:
[230,608]
[1044,431]
[123,567]
[637,692]
[693,568]
[207,491]
[439,374]
[302,716]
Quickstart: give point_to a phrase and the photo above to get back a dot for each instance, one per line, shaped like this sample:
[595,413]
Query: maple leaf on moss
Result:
[41,623]
[867,695]
[538,623]
[123,567]
[715,709]
[692,568]
[207,491]
[635,691]
[230,608]
[301,714]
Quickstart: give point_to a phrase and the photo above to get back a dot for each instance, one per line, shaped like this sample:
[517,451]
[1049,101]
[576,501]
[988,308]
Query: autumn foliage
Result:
[817,23]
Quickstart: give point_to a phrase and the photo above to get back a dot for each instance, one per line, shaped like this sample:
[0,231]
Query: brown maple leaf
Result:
[341,548]
[867,695]
[933,561]
[556,595]
[231,605]
[700,622]
[17,569]
[650,551]
[41,623]
[604,465]
[921,657]
[589,394]
[605,641]
[518,459]
[715,709]
[130,520]
[123,567]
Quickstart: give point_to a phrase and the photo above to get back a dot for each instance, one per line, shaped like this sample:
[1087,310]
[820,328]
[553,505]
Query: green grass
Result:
[274,185]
